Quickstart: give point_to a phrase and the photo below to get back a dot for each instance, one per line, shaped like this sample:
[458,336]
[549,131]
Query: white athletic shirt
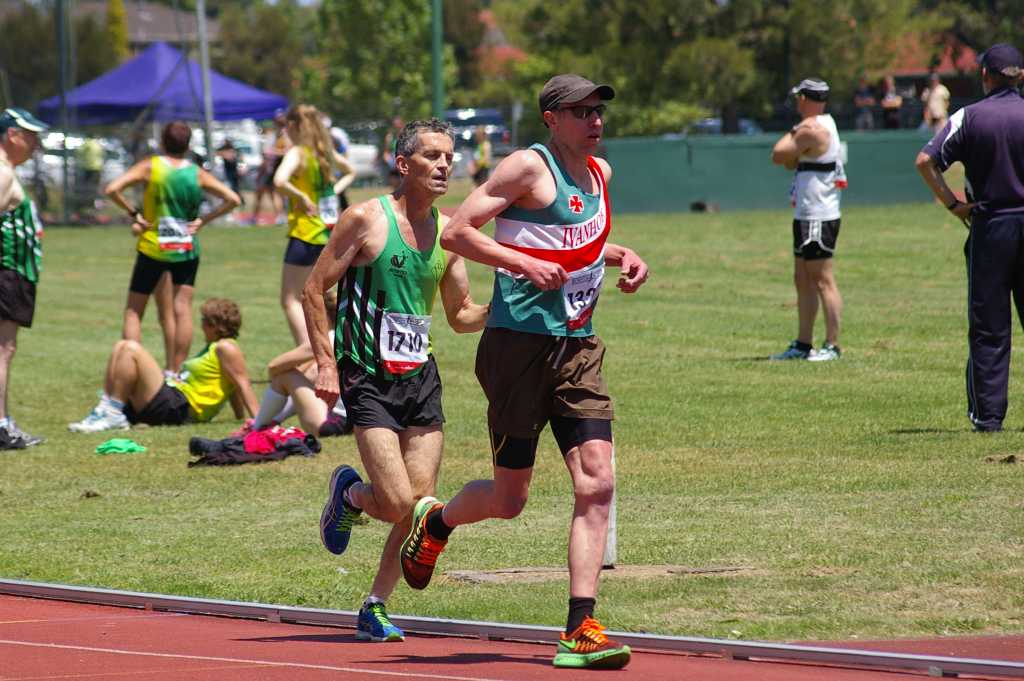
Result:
[816,192]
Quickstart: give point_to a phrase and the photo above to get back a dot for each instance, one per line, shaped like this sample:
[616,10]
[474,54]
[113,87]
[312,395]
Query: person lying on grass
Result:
[292,377]
[135,389]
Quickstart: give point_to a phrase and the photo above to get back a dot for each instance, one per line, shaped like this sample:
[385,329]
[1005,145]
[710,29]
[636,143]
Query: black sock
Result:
[805,347]
[437,527]
[579,610]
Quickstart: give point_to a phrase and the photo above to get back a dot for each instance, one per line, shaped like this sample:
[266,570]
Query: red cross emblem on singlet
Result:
[575,204]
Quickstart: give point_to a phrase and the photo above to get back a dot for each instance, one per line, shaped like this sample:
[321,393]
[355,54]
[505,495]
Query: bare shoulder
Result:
[524,164]
[606,168]
[364,215]
[228,348]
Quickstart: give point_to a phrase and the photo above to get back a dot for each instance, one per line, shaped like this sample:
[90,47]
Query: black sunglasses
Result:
[583,112]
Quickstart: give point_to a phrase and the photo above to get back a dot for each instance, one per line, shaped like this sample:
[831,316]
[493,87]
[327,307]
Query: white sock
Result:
[5,421]
[287,410]
[270,405]
[111,403]
[339,409]
[370,600]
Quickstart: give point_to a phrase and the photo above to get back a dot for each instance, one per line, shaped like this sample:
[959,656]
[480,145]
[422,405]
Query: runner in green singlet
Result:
[386,257]
[20,255]
[167,226]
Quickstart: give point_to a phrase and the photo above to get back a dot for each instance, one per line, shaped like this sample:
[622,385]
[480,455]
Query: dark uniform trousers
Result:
[995,271]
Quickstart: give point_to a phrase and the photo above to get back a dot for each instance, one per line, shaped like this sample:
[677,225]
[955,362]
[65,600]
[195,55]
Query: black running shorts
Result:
[17,298]
[815,239]
[147,273]
[378,403]
[301,253]
[169,407]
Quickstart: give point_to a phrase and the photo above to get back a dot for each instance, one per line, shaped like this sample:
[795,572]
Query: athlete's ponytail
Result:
[313,134]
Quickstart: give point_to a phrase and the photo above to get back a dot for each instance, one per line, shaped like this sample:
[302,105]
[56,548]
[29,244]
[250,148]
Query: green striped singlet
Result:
[21,240]
[384,307]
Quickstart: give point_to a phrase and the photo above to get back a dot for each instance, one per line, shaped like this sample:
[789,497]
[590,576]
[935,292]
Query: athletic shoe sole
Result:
[609,659]
[367,636]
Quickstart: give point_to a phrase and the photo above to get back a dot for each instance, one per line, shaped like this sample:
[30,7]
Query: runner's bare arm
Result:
[293,359]
[243,401]
[806,137]
[348,173]
[229,200]
[464,316]
[348,238]
[6,187]
[937,183]
[511,180]
[136,174]
[290,164]
[634,269]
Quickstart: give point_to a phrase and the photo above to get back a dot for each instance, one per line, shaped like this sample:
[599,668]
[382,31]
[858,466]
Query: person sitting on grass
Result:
[135,389]
[291,391]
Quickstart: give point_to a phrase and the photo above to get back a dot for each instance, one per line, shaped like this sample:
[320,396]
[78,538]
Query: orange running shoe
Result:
[420,550]
[589,647]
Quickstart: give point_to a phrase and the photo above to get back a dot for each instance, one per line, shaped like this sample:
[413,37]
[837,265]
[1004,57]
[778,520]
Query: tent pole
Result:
[204,63]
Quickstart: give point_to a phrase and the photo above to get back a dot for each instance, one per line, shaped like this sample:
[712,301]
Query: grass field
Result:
[852,495]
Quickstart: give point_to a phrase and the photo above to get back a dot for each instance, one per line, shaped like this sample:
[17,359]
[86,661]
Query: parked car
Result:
[713,126]
[464,124]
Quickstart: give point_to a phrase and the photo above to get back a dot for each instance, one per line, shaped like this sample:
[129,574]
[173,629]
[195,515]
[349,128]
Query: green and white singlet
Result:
[384,307]
[21,240]
[571,232]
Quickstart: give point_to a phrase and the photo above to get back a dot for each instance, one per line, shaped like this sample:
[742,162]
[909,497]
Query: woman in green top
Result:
[166,228]
[136,391]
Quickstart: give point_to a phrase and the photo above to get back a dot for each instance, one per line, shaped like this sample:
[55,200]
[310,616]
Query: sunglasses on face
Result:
[583,112]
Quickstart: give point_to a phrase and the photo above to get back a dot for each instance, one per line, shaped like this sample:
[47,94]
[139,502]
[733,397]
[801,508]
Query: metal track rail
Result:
[738,650]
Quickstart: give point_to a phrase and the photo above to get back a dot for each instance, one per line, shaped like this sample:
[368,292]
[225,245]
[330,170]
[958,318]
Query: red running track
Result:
[49,640]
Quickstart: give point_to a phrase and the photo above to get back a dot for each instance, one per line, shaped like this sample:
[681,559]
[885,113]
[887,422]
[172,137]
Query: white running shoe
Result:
[100,419]
[827,353]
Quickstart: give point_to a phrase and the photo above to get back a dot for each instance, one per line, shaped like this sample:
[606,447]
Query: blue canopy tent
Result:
[160,84]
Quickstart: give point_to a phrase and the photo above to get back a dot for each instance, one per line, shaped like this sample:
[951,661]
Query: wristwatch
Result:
[951,206]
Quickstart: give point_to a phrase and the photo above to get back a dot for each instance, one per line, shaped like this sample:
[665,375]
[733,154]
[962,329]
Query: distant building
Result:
[149,22]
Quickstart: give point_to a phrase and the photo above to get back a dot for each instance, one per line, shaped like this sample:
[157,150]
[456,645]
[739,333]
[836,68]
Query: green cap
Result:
[20,118]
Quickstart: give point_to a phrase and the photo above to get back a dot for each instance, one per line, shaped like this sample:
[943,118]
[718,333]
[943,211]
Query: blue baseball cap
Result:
[19,118]
[1002,58]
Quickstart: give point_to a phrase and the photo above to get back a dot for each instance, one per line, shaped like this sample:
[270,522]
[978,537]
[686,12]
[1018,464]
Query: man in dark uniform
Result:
[986,137]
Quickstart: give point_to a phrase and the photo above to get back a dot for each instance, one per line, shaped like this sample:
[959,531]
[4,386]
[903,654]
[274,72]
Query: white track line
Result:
[266,663]
[92,618]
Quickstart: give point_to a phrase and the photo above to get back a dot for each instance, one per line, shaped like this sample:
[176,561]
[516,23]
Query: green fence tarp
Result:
[663,174]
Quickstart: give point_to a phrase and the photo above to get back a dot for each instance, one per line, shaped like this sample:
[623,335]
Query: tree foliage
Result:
[374,60]
[117,29]
[265,45]
[29,55]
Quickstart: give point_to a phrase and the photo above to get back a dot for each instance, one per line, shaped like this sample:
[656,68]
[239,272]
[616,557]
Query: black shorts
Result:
[815,239]
[301,253]
[481,175]
[268,179]
[377,403]
[17,298]
[167,408]
[148,271]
